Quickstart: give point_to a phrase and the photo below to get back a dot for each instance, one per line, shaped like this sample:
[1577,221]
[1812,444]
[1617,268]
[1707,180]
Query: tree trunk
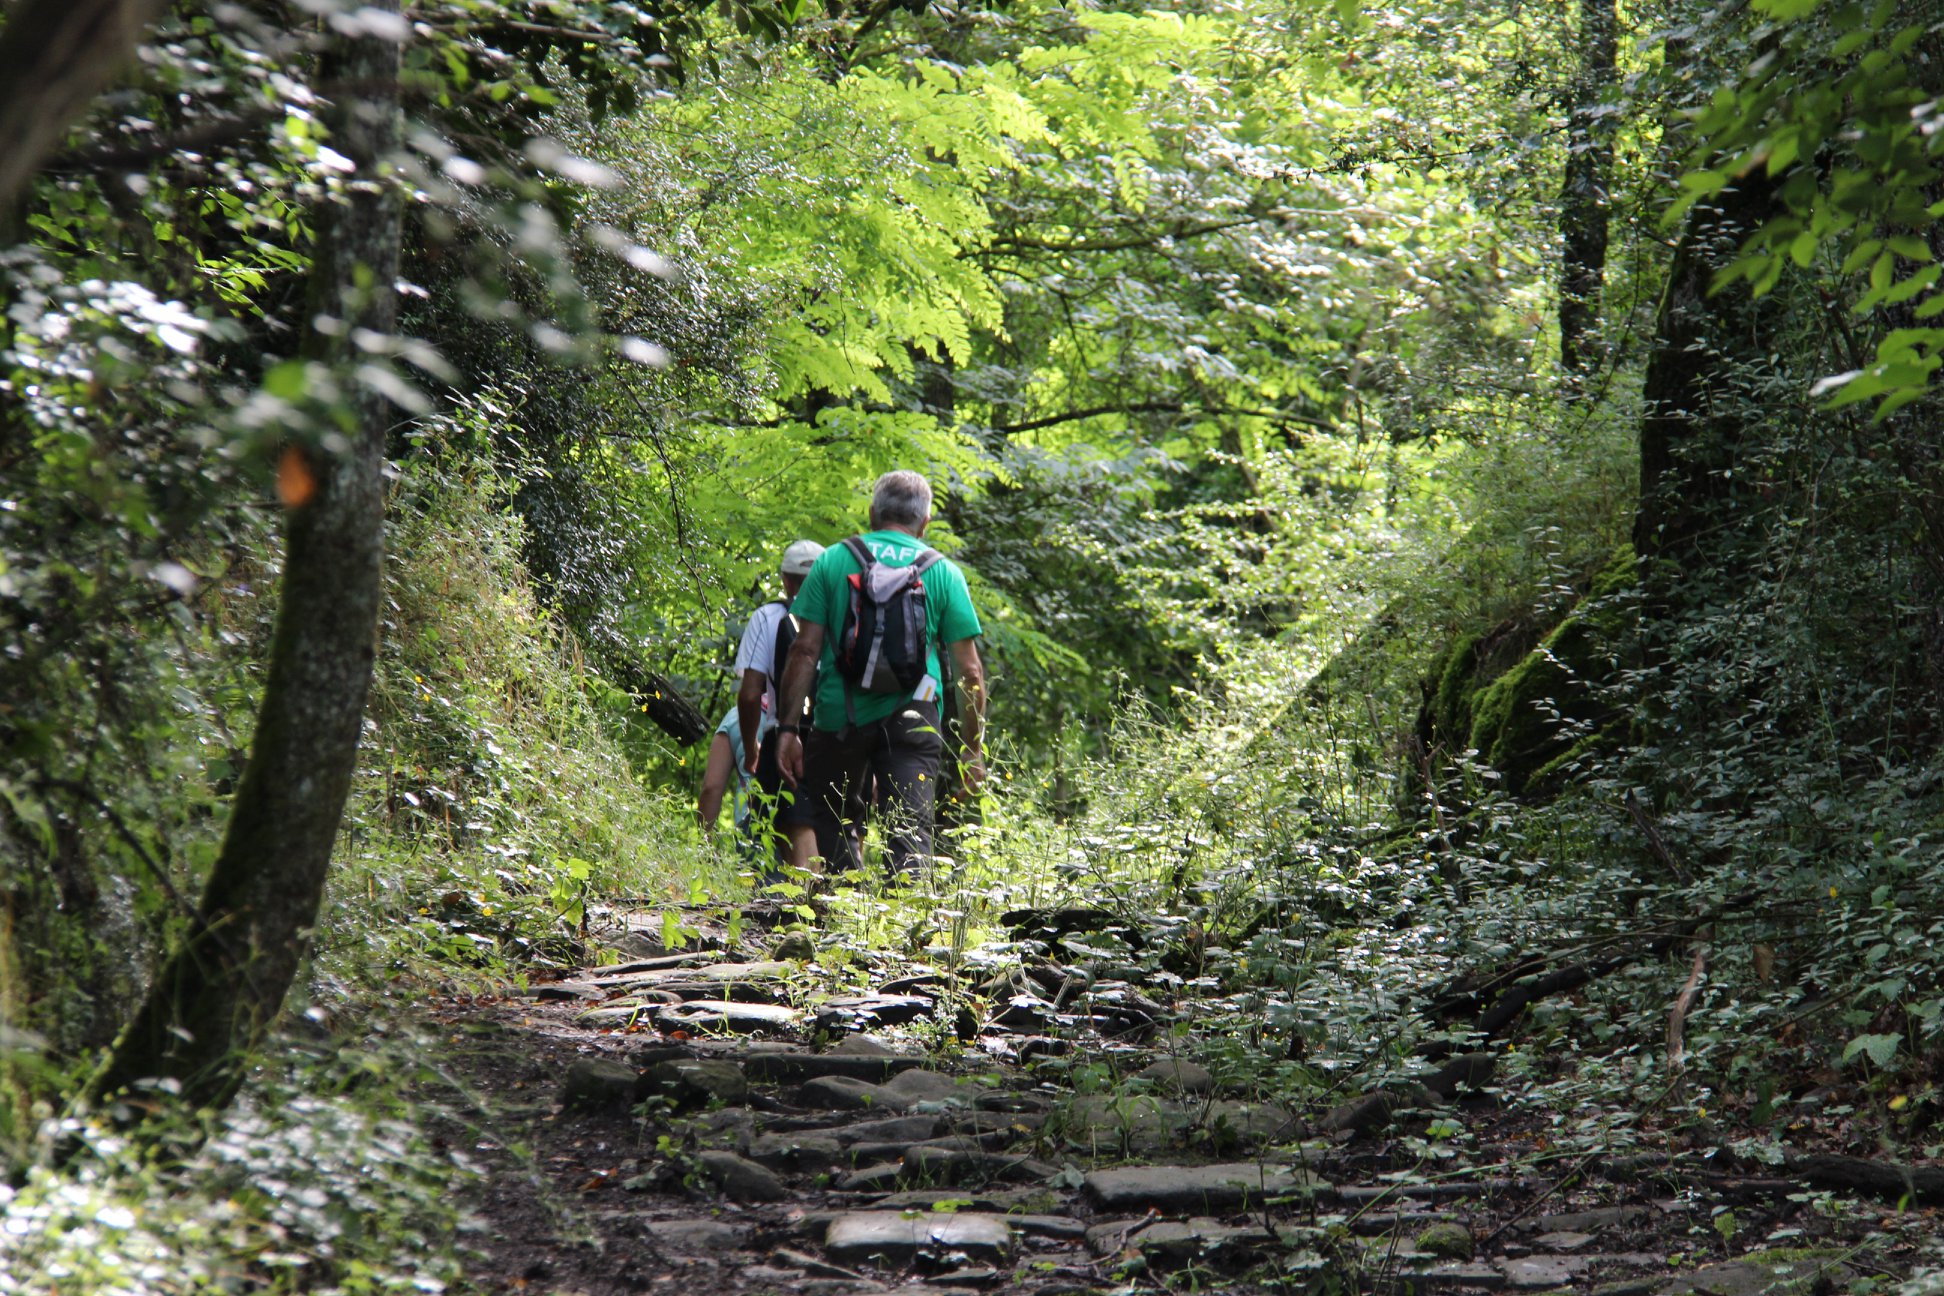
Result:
[55,56]
[1584,198]
[220,991]
[1701,389]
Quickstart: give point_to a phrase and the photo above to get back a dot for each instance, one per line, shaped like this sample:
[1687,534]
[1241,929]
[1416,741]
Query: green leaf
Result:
[1787,10]
[288,381]
[1879,1048]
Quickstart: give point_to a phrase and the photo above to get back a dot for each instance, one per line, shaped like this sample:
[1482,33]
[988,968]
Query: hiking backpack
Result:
[881,645]
[786,633]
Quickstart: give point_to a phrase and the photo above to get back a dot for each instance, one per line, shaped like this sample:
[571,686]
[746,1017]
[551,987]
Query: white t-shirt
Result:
[757,651]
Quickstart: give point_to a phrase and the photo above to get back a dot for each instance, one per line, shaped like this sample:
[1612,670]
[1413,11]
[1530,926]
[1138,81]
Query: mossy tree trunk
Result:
[1704,386]
[221,989]
[1584,198]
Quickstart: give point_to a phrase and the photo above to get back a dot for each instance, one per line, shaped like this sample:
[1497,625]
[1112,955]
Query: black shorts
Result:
[903,751]
[777,804]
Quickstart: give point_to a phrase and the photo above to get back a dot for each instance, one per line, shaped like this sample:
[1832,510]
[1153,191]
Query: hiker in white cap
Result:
[759,667]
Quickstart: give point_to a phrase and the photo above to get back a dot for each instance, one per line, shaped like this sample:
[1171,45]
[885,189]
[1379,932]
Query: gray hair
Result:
[900,498]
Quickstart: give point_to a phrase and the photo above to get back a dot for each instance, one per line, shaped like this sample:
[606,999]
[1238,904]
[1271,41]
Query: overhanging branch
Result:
[1013,244]
[1164,407]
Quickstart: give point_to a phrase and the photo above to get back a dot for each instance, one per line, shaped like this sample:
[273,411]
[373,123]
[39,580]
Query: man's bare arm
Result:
[970,673]
[749,712]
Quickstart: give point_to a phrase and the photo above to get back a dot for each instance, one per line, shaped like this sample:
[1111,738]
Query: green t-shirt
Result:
[826,594]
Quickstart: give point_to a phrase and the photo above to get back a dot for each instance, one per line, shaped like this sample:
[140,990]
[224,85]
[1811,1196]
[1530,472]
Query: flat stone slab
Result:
[766,971]
[1248,1124]
[863,1237]
[740,1178]
[1062,1227]
[1177,1075]
[1013,1100]
[787,1067]
[696,1234]
[1744,1278]
[1587,1221]
[880,1178]
[1562,1241]
[720,1015]
[1480,1277]
[904,1130]
[600,1084]
[931,1086]
[1000,1202]
[692,1082]
[1179,1241]
[940,1165]
[660,963]
[842,1093]
[761,992]
[903,1092]
[1373,1223]
[1444,1191]
[795,1153]
[1186,1189]
[853,1012]
[1540,1272]
[641,1009]
[565,991]
[864,1046]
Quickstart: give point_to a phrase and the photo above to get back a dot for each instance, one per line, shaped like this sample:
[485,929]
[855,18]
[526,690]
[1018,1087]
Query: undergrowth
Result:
[325,1177]
[493,798]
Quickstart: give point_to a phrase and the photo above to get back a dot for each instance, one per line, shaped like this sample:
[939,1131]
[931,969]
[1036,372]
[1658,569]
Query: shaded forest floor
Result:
[708,1120]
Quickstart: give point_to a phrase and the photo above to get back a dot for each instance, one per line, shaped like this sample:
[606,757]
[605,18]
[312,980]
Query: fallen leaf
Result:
[296,483]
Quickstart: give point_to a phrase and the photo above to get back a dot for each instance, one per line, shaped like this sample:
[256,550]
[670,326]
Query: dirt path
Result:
[682,1123]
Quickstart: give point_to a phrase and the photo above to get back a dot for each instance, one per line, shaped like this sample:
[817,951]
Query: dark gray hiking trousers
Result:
[903,751]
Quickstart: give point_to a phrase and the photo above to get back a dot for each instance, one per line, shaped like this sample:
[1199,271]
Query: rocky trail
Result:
[697,1121]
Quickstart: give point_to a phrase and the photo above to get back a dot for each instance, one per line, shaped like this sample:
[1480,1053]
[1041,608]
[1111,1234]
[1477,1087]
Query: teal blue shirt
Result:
[731,728]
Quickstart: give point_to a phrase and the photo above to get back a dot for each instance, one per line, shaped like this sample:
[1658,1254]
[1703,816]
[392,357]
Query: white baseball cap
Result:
[800,557]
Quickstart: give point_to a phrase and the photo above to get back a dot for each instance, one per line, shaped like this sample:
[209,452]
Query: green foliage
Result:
[325,1180]
[1222,330]
[494,797]
[1840,106]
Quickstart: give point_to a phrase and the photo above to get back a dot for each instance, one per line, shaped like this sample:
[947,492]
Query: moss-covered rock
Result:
[1451,1241]
[1531,716]
[1457,685]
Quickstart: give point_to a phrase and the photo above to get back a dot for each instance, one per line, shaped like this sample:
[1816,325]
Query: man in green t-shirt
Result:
[896,736]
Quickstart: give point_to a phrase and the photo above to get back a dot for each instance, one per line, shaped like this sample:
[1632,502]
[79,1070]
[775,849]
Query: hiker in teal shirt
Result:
[896,735]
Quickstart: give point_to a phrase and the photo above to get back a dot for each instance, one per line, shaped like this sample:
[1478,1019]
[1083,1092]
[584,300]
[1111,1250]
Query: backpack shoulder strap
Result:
[786,633]
[861,551]
[923,562]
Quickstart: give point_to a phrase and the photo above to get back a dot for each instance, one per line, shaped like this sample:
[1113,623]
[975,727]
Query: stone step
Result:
[715,1015]
[797,1067]
[1180,1190]
[882,1237]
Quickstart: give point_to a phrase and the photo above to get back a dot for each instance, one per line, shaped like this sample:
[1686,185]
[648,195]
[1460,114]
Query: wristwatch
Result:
[795,729]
